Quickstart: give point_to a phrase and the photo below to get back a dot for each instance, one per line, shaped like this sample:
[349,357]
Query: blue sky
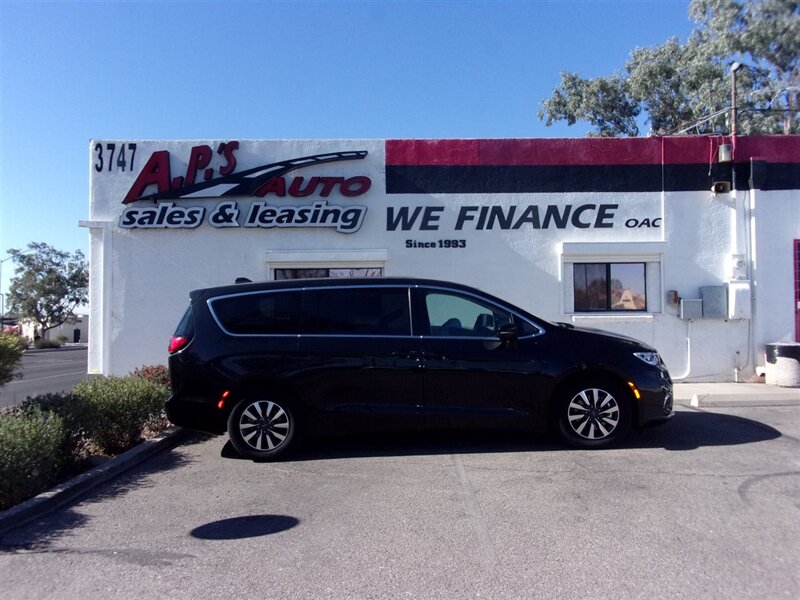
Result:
[73,71]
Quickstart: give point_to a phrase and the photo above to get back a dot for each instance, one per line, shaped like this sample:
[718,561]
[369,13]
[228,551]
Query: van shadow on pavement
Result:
[687,430]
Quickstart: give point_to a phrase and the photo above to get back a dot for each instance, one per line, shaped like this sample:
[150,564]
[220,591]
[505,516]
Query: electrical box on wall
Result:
[691,308]
[738,266]
[739,300]
[715,301]
[673,297]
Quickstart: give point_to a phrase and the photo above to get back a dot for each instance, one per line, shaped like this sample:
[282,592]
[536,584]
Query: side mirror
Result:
[507,332]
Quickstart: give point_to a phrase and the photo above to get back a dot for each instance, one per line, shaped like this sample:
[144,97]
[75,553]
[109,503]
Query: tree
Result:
[49,285]
[685,88]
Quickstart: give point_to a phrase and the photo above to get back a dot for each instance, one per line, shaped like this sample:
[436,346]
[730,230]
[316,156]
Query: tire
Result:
[262,429]
[594,413]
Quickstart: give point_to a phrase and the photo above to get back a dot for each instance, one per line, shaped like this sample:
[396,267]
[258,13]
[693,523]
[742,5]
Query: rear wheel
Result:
[262,429]
[594,414]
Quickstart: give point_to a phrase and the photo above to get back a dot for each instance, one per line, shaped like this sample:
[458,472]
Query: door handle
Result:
[415,354]
[411,354]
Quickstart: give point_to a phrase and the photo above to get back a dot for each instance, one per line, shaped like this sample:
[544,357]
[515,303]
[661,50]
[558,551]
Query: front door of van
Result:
[361,366]
[470,377]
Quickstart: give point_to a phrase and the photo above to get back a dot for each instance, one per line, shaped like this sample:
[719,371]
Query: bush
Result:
[118,409]
[156,373]
[72,410]
[62,339]
[11,349]
[45,344]
[31,454]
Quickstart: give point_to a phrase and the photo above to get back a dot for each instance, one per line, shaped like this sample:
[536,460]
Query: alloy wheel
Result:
[264,425]
[593,414]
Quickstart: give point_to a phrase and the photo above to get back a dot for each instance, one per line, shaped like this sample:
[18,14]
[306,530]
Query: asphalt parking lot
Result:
[707,506]
[46,372]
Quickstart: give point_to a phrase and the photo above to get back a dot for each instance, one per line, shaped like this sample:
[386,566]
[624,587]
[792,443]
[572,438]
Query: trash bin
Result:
[783,364]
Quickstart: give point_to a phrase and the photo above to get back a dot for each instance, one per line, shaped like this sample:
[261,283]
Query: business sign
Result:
[213,173]
[448,190]
[531,188]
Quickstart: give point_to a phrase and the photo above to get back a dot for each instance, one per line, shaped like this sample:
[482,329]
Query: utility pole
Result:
[734,68]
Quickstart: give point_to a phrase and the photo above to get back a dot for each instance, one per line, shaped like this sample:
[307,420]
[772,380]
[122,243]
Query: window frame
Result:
[324,259]
[650,253]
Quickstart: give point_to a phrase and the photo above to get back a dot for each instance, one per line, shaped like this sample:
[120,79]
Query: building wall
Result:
[641,200]
[67,330]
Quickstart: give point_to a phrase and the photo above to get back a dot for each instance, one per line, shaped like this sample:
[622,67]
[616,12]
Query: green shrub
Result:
[157,373]
[45,344]
[118,408]
[31,454]
[11,349]
[62,339]
[72,410]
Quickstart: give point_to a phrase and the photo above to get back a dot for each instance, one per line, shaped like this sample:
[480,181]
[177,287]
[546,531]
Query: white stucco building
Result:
[687,243]
[73,331]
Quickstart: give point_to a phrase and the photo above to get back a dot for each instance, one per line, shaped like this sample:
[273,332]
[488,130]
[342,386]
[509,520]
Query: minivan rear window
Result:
[357,311]
[260,314]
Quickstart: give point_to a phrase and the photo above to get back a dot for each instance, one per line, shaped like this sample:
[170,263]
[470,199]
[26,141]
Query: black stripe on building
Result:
[423,179]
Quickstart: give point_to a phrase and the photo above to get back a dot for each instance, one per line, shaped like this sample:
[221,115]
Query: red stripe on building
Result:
[588,151]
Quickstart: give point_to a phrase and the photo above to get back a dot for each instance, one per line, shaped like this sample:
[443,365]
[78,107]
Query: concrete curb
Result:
[68,491]
[734,395]
[64,348]
[708,400]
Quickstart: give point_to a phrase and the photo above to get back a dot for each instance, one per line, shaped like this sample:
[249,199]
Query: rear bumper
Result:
[196,414]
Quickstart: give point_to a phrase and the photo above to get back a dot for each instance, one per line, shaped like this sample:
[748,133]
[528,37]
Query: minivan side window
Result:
[274,313]
[451,315]
[186,326]
[357,311]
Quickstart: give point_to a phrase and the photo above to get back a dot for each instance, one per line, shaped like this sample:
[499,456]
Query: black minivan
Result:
[272,361]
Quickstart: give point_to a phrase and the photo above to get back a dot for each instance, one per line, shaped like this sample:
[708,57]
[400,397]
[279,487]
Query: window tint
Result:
[274,313]
[186,326]
[609,286]
[357,311]
[454,315]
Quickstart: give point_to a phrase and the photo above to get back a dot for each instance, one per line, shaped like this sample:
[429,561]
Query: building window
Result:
[281,274]
[609,287]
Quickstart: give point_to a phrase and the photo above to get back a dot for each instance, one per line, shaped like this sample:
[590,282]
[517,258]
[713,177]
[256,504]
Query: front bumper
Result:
[657,402]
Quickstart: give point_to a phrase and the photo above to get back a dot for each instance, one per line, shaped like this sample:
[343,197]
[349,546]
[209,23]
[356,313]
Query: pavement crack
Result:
[477,521]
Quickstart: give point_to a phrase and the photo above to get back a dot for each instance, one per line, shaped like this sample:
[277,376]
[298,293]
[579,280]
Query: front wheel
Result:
[594,414]
[262,429]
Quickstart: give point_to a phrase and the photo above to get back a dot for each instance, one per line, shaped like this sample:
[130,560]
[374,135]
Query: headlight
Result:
[651,358]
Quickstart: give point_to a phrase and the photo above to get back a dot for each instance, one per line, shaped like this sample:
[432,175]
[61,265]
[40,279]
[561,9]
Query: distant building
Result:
[74,332]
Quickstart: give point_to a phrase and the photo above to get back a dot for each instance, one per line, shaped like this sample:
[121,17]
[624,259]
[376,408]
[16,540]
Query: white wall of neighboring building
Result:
[776,225]
[141,277]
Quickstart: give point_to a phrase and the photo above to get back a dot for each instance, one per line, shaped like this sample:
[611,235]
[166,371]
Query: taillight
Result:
[178,343]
